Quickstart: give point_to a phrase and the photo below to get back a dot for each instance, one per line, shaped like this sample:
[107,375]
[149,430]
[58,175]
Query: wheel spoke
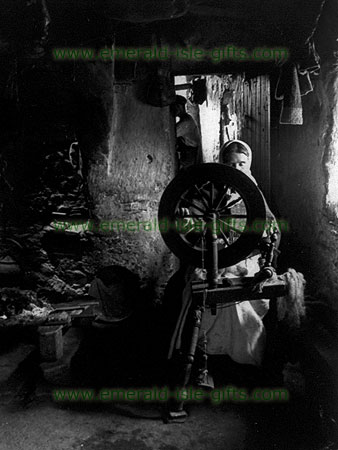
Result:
[231,204]
[193,216]
[206,192]
[225,237]
[222,196]
[231,227]
[189,231]
[234,202]
[190,203]
[212,193]
[202,196]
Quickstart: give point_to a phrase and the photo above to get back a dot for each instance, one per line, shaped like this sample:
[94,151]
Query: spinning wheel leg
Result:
[176,412]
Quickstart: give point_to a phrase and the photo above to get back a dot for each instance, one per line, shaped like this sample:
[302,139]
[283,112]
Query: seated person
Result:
[188,138]
[237,330]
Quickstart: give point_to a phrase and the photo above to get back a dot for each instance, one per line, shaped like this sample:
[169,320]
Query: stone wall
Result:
[304,159]
[127,159]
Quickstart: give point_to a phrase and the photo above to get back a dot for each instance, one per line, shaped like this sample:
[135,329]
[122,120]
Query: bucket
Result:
[51,342]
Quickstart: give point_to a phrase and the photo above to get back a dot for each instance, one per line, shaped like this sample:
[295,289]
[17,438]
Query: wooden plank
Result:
[258,148]
[86,317]
[260,133]
[254,130]
[264,134]
[183,87]
[247,117]
[268,139]
[261,129]
[242,106]
[224,295]
[253,110]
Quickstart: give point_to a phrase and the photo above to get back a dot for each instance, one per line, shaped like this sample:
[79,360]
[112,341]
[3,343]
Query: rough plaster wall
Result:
[211,112]
[126,181]
[331,160]
[301,155]
[210,115]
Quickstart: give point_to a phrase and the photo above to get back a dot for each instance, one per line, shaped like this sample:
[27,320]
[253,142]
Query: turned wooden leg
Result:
[176,411]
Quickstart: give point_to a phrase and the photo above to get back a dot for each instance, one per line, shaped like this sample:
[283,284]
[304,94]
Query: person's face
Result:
[238,161]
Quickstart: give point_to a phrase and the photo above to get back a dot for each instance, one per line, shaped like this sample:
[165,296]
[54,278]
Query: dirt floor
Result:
[30,418]
[43,424]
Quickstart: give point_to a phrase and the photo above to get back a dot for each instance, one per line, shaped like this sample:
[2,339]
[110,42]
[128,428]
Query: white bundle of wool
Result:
[291,307]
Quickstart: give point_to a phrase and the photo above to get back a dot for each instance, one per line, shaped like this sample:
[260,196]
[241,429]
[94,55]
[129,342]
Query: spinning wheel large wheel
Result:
[212,197]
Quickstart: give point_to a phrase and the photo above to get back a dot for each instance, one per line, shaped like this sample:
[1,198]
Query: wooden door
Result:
[253,106]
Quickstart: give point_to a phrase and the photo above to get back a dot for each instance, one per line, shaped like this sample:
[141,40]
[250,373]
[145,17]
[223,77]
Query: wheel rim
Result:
[205,190]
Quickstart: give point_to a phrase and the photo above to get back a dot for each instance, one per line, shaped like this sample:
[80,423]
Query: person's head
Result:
[179,106]
[236,154]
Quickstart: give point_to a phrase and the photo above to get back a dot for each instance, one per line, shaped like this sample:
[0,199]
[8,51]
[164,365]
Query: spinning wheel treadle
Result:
[212,197]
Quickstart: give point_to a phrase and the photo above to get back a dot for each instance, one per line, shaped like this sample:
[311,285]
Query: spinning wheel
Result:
[212,203]
[212,216]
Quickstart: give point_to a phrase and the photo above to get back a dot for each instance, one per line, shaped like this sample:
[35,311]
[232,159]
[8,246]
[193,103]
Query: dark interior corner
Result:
[92,291]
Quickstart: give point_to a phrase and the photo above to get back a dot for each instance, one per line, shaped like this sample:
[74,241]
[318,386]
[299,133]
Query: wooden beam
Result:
[223,295]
